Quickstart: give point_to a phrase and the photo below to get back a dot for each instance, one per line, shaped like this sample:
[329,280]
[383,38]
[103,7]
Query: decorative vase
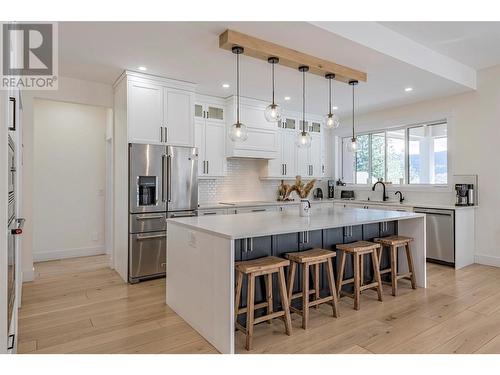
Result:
[304,208]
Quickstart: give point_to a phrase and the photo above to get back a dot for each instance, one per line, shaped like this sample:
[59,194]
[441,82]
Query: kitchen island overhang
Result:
[201,252]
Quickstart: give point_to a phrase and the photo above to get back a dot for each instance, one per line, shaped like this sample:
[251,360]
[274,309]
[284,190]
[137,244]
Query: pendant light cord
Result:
[330,96]
[238,88]
[303,101]
[273,81]
[353,112]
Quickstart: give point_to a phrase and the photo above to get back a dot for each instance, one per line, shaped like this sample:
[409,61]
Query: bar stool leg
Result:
[356,258]
[376,273]
[394,270]
[237,300]
[341,273]
[291,280]
[250,311]
[361,269]
[316,283]
[285,301]
[305,296]
[331,285]
[410,266]
[269,292]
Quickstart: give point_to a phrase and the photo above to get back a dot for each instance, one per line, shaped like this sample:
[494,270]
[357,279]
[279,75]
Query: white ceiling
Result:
[100,51]
[473,43]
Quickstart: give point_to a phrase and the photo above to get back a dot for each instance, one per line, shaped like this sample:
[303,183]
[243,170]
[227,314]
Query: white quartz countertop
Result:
[271,223]
[396,204]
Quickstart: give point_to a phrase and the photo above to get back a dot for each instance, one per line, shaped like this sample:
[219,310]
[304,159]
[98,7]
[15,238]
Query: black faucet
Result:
[384,196]
[401,198]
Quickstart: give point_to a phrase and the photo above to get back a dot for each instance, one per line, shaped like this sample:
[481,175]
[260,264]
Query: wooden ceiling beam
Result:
[262,49]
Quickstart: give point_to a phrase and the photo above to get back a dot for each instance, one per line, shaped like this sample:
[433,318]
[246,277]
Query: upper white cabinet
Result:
[291,160]
[178,114]
[210,133]
[145,112]
[263,138]
[158,110]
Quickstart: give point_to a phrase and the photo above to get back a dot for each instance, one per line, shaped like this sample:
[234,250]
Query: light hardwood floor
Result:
[81,306]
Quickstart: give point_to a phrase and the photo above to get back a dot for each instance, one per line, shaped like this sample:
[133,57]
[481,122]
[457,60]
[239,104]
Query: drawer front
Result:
[217,211]
[153,222]
[147,254]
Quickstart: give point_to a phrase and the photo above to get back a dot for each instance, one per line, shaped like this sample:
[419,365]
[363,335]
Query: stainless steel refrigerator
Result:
[163,183]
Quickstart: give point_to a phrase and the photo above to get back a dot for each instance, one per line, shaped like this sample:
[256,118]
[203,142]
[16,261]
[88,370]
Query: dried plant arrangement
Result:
[299,187]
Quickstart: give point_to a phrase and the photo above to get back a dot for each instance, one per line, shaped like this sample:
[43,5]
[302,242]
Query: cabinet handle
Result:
[285,169]
[161,134]
[165,132]
[259,210]
[245,245]
[312,170]
[207,166]
[209,213]
[250,244]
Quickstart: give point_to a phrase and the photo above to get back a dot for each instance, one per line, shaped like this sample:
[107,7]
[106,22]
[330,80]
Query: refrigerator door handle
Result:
[163,177]
[169,178]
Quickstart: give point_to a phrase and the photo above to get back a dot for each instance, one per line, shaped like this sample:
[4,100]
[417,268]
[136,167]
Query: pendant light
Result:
[353,145]
[273,110]
[332,120]
[238,131]
[303,138]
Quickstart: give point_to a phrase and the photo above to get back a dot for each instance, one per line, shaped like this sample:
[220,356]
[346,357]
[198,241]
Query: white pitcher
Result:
[304,208]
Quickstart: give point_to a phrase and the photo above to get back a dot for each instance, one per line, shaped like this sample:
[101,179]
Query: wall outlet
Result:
[95,236]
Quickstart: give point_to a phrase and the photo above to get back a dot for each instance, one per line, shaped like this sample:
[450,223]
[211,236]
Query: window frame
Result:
[407,185]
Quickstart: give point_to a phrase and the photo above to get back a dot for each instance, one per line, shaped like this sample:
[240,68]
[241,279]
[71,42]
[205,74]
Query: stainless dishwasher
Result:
[440,230]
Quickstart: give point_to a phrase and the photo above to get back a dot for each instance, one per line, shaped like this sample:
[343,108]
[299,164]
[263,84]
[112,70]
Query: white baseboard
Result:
[39,256]
[487,260]
[28,275]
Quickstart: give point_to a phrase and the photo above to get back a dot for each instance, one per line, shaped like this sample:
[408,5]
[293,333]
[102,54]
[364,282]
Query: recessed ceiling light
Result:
[287,98]
[408,89]
[142,68]
[335,108]
[225,85]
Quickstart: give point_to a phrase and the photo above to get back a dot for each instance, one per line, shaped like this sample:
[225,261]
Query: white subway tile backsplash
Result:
[242,183]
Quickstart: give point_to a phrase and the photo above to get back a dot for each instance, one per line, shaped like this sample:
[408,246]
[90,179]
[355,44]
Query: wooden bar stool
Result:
[312,258]
[393,243]
[359,249]
[261,267]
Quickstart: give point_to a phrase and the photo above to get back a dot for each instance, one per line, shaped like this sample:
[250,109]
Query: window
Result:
[412,154]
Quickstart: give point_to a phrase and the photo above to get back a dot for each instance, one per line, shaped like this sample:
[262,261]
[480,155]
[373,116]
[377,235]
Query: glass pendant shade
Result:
[303,140]
[332,121]
[353,145]
[273,113]
[238,132]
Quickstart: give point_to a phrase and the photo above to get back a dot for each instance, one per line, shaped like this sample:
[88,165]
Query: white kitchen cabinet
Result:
[284,166]
[309,160]
[178,116]
[263,137]
[158,110]
[212,211]
[209,139]
[145,112]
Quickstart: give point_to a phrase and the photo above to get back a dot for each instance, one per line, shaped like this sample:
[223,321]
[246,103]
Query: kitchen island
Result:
[201,252]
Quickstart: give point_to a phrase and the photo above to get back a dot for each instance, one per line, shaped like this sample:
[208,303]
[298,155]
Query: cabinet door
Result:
[178,117]
[302,158]
[145,113]
[315,155]
[215,113]
[275,167]
[199,142]
[215,153]
[288,153]
[282,244]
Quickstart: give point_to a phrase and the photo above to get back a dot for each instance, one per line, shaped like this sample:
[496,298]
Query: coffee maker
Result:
[464,195]
[331,189]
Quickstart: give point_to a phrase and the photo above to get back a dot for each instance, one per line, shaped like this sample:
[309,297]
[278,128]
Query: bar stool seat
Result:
[312,258]
[266,267]
[393,243]
[358,250]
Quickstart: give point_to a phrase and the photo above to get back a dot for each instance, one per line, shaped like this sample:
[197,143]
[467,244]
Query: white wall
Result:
[474,142]
[70,90]
[69,180]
